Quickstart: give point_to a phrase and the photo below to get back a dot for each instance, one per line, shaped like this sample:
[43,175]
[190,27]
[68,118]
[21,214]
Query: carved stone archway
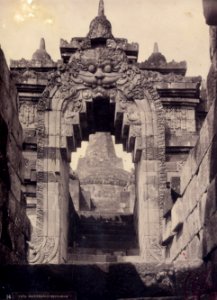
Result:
[64,114]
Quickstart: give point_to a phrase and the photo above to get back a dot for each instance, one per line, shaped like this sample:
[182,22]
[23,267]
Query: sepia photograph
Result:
[108,149]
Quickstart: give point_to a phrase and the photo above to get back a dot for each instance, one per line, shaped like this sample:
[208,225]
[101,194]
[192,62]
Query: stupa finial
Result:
[41,53]
[101,8]
[156,48]
[42,44]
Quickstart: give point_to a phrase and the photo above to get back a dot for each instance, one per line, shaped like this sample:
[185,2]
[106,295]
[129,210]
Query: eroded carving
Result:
[43,250]
[101,72]
[27,114]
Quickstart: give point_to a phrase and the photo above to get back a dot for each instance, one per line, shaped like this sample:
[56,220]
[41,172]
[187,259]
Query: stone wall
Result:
[190,218]
[14,225]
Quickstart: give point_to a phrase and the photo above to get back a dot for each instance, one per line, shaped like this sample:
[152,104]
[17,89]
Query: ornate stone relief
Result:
[43,250]
[100,72]
[27,114]
[103,72]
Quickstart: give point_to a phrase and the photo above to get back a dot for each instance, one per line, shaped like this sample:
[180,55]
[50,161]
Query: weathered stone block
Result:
[85,200]
[210,237]
[185,176]
[172,166]
[185,232]
[15,183]
[204,141]
[14,154]
[211,200]
[192,194]
[194,222]
[186,203]
[184,140]
[177,216]
[211,85]
[153,216]
[74,189]
[168,202]
[203,209]
[174,249]
[5,74]
[168,234]
[54,206]
[175,184]
[125,200]
[5,108]
[54,124]
[212,158]
[195,249]
[203,175]
[12,206]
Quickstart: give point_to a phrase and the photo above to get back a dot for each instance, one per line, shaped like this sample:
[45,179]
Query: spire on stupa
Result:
[41,54]
[156,48]
[101,9]
[42,44]
[156,58]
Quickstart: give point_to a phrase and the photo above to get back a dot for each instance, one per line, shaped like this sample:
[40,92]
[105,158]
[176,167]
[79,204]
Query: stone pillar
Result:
[150,179]
[49,244]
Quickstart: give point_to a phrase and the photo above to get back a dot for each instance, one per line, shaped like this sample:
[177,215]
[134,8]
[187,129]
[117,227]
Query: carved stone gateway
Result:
[99,231]
[98,86]
[67,114]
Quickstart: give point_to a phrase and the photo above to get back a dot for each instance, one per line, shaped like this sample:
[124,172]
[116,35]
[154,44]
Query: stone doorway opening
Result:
[102,191]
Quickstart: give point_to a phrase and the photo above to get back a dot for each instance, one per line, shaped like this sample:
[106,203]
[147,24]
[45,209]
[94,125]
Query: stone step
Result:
[104,237]
[98,232]
[97,243]
[92,258]
[83,259]
[117,217]
[105,251]
[105,231]
[105,224]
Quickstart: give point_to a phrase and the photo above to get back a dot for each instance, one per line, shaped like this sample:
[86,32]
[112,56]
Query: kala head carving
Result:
[98,69]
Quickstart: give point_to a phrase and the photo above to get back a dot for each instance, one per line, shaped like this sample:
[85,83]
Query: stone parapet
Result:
[14,224]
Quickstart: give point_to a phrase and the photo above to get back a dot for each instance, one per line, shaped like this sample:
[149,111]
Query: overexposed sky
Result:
[177,25]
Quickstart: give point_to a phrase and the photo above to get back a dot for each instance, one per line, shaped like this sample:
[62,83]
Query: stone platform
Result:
[112,281]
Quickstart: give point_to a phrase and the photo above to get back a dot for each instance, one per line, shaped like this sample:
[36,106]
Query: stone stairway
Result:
[103,237]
